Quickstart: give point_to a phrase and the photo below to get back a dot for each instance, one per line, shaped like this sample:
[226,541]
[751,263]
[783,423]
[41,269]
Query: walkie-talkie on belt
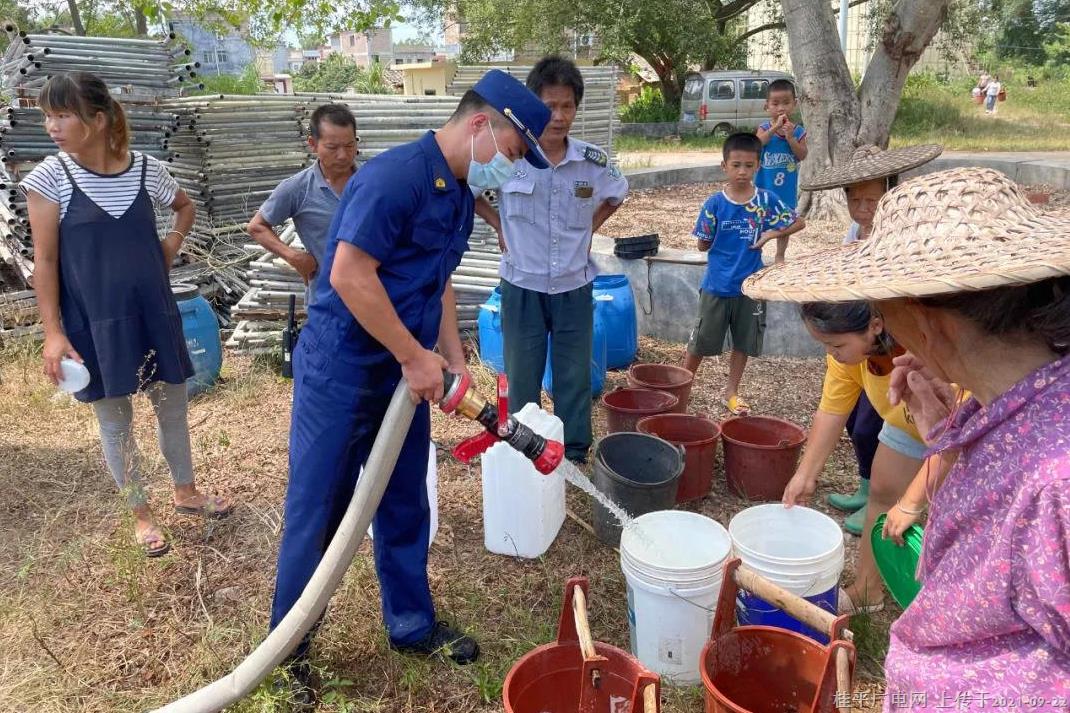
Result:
[289,339]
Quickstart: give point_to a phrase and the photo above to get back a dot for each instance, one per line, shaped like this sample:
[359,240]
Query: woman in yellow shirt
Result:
[859,361]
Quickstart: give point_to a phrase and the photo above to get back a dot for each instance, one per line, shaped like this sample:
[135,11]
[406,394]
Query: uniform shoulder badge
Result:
[596,156]
[614,172]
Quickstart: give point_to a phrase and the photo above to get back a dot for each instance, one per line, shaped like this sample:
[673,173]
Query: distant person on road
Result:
[311,196]
[783,147]
[992,94]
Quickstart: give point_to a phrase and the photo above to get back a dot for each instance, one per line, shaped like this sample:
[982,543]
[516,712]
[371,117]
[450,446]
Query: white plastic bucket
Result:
[432,495]
[523,510]
[797,548]
[673,564]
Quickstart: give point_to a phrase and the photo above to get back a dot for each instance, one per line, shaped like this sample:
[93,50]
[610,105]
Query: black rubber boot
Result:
[298,684]
[444,641]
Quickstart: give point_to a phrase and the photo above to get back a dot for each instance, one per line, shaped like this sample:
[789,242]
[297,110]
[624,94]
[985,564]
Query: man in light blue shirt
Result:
[546,221]
[310,197]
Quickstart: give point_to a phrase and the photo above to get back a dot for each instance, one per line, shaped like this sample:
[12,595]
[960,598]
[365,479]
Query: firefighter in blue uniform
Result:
[384,301]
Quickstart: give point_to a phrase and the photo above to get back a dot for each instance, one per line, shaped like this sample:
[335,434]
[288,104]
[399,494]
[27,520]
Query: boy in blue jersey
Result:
[784,146]
[732,227]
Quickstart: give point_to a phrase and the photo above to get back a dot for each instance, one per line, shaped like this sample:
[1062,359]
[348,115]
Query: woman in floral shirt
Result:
[975,282]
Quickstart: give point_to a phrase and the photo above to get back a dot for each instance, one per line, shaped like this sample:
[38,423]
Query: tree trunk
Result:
[826,95]
[76,17]
[837,118]
[907,31]
[141,22]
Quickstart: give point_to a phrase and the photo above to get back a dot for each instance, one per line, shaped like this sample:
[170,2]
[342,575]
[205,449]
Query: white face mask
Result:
[492,174]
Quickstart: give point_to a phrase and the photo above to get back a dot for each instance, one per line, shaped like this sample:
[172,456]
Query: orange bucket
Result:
[672,379]
[760,455]
[624,407]
[576,674]
[699,437]
[749,669]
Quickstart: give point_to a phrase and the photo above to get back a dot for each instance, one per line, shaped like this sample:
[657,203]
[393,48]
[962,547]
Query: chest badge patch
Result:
[440,183]
[584,191]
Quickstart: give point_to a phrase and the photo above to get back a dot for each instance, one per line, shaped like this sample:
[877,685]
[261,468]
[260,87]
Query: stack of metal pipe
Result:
[231,152]
[133,68]
[264,309]
[18,315]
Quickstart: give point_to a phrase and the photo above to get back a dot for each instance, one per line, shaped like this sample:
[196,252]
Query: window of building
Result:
[221,56]
[207,57]
[375,58]
[430,92]
[352,40]
[723,89]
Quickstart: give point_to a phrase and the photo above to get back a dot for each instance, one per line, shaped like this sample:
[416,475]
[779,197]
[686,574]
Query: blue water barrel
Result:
[489,324]
[201,329]
[619,317]
[598,360]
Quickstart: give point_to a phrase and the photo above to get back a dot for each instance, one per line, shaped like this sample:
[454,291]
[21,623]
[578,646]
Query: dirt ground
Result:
[672,211]
[88,624]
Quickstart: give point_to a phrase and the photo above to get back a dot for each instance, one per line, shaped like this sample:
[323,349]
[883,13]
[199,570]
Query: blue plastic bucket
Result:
[619,318]
[201,329]
[799,549]
[489,324]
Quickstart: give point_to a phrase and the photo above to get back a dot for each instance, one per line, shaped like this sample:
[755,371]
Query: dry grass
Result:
[88,624]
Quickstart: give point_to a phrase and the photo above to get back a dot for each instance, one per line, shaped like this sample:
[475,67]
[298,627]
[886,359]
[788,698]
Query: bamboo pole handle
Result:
[810,614]
[583,627]
[650,699]
[843,677]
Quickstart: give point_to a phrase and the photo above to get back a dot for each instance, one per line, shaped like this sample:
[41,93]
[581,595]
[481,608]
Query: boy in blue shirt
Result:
[784,146]
[732,227]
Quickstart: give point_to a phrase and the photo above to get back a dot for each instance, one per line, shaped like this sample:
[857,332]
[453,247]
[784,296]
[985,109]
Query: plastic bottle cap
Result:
[73,376]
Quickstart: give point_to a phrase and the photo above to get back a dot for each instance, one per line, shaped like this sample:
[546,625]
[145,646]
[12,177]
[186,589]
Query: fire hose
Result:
[461,399]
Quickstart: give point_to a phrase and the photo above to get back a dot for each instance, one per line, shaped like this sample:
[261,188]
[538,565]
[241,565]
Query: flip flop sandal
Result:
[845,605]
[737,406]
[153,534]
[211,509]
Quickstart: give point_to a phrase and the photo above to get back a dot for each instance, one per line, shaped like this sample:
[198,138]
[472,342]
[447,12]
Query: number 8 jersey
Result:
[779,168]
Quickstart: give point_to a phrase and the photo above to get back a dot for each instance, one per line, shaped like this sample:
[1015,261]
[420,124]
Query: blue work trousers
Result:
[337,411]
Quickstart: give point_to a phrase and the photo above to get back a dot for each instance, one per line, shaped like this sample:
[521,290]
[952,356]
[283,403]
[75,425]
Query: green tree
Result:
[671,35]
[266,19]
[338,74]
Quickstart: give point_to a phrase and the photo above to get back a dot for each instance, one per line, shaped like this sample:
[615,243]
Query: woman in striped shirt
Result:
[101,276]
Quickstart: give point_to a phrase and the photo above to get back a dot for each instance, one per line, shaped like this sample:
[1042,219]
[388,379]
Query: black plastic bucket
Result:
[637,471]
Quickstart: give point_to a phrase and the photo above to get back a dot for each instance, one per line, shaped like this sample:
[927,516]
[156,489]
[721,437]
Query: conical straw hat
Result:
[953,231]
[870,162]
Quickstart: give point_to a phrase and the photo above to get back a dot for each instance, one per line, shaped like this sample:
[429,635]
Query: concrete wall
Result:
[666,290]
[656,130]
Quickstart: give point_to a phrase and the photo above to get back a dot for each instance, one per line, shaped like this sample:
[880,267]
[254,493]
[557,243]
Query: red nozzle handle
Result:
[469,448]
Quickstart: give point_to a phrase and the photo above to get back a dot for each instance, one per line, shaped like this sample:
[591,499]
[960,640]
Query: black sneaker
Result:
[297,683]
[444,641]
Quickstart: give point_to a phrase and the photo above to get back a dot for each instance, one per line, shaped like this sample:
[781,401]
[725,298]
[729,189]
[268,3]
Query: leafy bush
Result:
[338,74]
[248,82]
[648,108]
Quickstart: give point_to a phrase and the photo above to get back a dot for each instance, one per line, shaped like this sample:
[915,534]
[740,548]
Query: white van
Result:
[718,102]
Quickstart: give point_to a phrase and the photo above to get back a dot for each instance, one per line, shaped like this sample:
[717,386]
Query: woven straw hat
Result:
[870,162]
[953,231]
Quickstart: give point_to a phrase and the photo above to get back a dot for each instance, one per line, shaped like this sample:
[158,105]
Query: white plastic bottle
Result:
[523,510]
